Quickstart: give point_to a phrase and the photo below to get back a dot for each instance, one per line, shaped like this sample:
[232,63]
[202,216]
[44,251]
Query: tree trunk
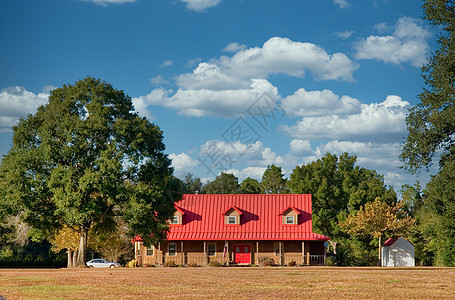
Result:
[70,258]
[334,246]
[82,248]
[75,258]
[380,253]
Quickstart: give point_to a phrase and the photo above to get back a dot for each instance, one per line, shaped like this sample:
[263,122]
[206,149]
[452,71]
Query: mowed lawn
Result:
[231,283]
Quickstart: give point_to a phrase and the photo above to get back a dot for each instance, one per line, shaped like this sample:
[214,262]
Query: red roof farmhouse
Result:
[238,229]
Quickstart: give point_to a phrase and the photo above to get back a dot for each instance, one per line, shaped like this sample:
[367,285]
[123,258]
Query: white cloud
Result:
[345,34]
[301,147]
[17,102]
[376,121]
[281,55]
[158,80]
[205,102]
[316,103]
[342,3]
[408,43]
[209,76]
[200,5]
[234,47]
[166,63]
[183,163]
[229,85]
[106,2]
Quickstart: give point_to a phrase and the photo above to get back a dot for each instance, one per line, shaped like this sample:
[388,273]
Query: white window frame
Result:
[150,249]
[169,249]
[290,220]
[175,219]
[230,218]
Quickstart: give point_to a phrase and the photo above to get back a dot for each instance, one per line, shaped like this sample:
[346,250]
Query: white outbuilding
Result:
[398,252]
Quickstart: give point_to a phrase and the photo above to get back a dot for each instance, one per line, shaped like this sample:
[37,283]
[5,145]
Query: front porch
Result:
[232,253]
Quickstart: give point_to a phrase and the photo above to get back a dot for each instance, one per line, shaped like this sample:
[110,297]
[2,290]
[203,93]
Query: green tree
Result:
[338,187]
[437,216]
[192,184]
[376,219]
[86,156]
[250,186]
[431,123]
[273,181]
[225,183]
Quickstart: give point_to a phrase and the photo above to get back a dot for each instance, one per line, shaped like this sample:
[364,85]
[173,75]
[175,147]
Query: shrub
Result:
[215,264]
[266,261]
[132,263]
[193,265]
[170,263]
[330,261]
[292,263]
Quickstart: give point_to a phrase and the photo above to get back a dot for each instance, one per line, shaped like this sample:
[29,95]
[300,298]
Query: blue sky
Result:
[236,85]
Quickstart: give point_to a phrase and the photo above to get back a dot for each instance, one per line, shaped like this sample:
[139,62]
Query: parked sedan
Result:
[102,263]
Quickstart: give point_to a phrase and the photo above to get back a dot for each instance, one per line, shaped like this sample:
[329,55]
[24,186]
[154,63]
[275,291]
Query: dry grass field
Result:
[231,283]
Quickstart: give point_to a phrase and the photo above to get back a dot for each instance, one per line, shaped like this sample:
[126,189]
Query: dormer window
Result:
[290,219]
[232,216]
[232,219]
[177,218]
[290,216]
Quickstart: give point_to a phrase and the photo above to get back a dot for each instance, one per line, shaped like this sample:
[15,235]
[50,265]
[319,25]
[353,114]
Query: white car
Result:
[101,263]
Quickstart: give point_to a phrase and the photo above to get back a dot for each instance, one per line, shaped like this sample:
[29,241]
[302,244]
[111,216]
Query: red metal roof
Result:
[260,218]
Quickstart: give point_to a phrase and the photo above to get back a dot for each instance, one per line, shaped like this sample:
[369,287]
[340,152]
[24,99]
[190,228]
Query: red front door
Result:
[242,254]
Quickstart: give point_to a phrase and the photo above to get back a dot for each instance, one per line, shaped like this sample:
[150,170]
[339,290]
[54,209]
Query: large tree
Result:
[84,157]
[378,219]
[273,181]
[431,123]
[225,183]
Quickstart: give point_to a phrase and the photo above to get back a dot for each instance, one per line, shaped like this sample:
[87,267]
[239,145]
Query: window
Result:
[211,249]
[290,220]
[172,249]
[149,251]
[175,220]
[232,220]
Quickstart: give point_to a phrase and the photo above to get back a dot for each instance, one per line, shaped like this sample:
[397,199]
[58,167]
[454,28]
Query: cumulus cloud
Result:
[183,163]
[317,103]
[234,47]
[383,121]
[227,86]
[408,43]
[301,147]
[17,102]
[208,102]
[200,5]
[282,55]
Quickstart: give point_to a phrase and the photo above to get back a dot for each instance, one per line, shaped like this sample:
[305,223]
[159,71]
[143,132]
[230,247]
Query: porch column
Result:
[308,258]
[228,254]
[256,259]
[160,257]
[303,252]
[281,254]
[325,254]
[205,253]
[182,253]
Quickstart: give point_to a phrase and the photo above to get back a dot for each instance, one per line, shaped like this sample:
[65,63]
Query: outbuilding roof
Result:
[260,218]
